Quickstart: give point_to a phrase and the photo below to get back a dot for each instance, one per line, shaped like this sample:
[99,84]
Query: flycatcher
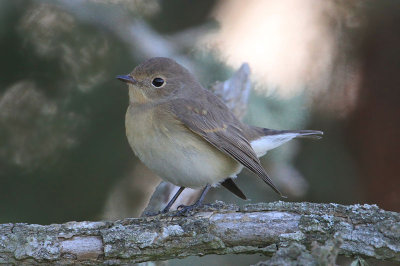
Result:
[188,136]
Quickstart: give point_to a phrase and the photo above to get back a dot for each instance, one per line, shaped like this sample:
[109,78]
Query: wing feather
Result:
[219,127]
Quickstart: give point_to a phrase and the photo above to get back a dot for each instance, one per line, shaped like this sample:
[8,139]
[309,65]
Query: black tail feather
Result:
[232,187]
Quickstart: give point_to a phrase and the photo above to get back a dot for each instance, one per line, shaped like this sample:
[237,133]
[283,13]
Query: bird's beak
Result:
[127,79]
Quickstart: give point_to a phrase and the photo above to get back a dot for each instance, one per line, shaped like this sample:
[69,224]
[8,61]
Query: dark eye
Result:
[157,82]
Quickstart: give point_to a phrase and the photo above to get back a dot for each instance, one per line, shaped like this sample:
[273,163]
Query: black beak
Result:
[127,79]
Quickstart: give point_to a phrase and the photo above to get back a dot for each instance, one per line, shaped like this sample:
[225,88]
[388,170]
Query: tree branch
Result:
[360,230]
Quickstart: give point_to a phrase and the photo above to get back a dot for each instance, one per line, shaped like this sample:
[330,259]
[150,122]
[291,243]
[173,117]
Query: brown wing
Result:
[212,120]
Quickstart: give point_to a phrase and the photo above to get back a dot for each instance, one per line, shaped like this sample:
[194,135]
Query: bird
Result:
[186,135]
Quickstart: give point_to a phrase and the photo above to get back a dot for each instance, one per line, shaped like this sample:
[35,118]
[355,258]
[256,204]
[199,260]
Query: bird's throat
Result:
[137,96]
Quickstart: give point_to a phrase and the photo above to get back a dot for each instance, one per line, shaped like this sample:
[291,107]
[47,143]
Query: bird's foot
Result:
[184,210]
[150,214]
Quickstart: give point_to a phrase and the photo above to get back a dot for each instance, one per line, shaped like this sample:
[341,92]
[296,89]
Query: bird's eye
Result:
[157,82]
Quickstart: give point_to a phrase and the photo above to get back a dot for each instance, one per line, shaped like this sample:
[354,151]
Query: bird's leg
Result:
[184,210]
[166,209]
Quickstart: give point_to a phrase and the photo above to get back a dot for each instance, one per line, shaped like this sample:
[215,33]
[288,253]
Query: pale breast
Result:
[175,153]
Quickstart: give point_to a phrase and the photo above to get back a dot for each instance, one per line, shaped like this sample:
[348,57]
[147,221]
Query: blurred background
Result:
[325,65]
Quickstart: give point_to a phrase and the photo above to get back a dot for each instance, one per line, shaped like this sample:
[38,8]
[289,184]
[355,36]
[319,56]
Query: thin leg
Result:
[184,210]
[166,209]
[203,194]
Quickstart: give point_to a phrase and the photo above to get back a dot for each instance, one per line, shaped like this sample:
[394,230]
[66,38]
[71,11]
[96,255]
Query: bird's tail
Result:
[268,139]
[312,134]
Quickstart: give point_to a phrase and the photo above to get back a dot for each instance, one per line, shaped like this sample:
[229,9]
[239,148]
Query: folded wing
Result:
[219,127]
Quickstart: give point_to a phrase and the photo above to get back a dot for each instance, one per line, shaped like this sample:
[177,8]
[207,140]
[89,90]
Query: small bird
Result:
[188,136]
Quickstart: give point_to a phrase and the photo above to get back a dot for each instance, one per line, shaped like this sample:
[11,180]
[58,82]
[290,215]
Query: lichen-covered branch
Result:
[265,228]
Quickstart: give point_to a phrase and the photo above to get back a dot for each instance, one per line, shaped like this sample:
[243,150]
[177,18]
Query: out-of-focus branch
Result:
[143,41]
[235,91]
[269,228]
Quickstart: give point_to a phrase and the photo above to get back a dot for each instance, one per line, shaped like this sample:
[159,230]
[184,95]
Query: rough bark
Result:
[265,228]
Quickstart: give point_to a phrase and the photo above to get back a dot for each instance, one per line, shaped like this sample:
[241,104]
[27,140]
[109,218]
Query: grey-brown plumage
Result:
[208,117]
[187,135]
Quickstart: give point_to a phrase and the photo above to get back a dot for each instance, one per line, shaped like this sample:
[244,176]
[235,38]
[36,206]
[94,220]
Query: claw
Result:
[150,214]
[188,210]
[184,210]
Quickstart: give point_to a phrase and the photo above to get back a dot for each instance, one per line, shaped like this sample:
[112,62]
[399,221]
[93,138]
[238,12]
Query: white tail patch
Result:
[266,143]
